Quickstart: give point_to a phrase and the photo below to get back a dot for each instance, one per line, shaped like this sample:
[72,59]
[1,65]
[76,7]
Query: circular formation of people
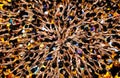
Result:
[59,38]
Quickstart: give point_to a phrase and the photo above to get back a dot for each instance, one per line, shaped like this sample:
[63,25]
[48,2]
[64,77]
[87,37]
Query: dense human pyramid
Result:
[59,38]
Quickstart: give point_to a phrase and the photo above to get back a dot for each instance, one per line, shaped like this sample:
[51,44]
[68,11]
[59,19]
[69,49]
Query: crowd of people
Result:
[59,38]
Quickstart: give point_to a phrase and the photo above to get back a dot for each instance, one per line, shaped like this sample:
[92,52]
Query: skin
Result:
[63,33]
